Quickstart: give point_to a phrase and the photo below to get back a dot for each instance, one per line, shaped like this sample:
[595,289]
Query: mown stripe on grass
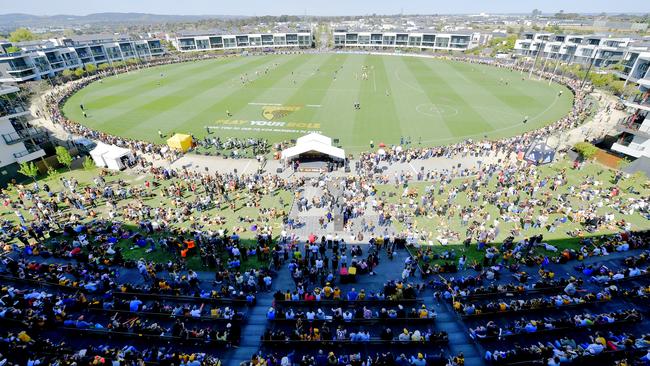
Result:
[241,96]
[386,118]
[421,118]
[469,121]
[171,98]
[314,90]
[337,114]
[122,88]
[490,89]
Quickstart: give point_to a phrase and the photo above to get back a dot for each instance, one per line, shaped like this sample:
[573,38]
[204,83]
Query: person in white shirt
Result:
[347,316]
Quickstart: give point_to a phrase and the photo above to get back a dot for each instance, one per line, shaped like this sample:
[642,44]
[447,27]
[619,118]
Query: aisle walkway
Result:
[255,324]
[459,340]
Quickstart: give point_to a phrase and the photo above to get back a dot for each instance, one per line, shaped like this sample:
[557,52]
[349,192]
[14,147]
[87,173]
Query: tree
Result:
[63,156]
[52,173]
[90,68]
[104,66]
[586,150]
[536,13]
[28,169]
[88,163]
[22,35]
[13,49]
[67,74]
[79,72]
[503,44]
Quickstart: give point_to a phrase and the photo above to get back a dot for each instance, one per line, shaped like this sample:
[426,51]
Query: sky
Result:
[320,7]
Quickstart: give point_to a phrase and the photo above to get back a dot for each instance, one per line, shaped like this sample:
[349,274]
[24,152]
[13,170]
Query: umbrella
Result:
[381,144]
[381,152]
[312,238]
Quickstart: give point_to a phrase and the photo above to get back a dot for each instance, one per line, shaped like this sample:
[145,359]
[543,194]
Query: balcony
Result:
[637,129]
[639,101]
[23,135]
[31,153]
[11,109]
[631,149]
[20,69]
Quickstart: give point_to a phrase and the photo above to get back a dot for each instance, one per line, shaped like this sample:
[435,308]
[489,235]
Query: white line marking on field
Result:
[313,105]
[264,104]
[374,81]
[246,167]
[412,167]
[407,84]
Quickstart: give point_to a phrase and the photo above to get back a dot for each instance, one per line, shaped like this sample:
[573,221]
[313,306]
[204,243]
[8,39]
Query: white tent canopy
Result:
[313,142]
[110,156]
[98,152]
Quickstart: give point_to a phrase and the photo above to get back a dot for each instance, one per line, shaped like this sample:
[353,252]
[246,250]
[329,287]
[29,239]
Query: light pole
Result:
[557,63]
[629,74]
[591,64]
[540,49]
[543,68]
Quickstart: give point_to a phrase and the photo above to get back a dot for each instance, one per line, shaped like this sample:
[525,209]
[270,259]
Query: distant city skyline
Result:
[321,8]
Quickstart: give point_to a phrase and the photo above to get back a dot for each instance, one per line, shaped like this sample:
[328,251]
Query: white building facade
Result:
[214,40]
[581,49]
[395,40]
[36,60]
[19,142]
[634,137]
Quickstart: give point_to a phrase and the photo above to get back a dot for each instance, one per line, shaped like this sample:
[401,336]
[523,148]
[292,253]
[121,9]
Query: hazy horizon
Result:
[331,8]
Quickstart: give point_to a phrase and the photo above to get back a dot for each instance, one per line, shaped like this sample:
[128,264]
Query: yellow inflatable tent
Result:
[180,142]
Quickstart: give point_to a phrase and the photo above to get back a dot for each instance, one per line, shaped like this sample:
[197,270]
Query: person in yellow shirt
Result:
[337,293]
[327,290]
[457,305]
[24,337]
[423,313]
[362,295]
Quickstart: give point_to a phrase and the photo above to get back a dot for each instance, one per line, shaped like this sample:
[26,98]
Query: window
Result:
[229,43]
[242,41]
[460,40]
[292,39]
[389,40]
[186,44]
[202,44]
[113,53]
[415,41]
[267,39]
[428,40]
[304,40]
[216,42]
[442,42]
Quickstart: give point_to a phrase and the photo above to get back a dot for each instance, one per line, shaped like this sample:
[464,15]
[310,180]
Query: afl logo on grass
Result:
[273,112]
